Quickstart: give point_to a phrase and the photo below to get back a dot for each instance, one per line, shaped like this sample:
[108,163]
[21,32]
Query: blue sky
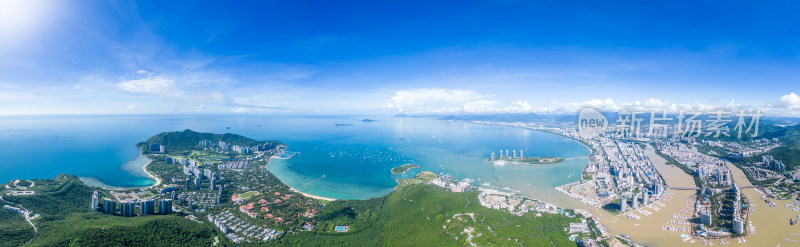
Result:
[376,57]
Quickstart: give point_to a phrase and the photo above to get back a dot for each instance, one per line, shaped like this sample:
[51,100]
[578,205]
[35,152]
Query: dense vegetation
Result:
[64,193]
[67,220]
[425,215]
[188,139]
[421,178]
[14,230]
[96,229]
[403,169]
[790,155]
[414,215]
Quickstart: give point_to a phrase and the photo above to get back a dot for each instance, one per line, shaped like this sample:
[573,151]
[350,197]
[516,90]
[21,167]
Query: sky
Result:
[389,57]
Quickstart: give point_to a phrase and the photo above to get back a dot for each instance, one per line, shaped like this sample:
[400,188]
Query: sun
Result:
[21,19]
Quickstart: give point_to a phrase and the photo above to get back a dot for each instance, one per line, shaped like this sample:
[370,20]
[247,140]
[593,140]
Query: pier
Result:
[301,186]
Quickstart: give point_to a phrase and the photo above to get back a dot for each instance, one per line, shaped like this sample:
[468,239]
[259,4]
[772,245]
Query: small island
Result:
[403,169]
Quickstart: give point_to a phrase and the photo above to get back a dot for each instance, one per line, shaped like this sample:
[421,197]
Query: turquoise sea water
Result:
[355,159]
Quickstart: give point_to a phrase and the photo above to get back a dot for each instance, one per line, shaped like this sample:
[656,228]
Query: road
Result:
[28,218]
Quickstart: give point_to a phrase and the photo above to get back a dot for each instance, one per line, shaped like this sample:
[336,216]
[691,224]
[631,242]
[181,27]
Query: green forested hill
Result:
[417,215]
[66,220]
[188,139]
[14,230]
[423,215]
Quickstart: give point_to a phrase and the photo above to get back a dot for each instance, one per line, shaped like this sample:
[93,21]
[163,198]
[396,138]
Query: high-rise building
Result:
[705,217]
[221,181]
[738,224]
[165,206]
[127,208]
[659,188]
[766,159]
[95,201]
[110,207]
[645,196]
[623,203]
[207,173]
[155,147]
[189,181]
[520,154]
[148,207]
[197,181]
[514,154]
[213,182]
[635,201]
[492,159]
[501,153]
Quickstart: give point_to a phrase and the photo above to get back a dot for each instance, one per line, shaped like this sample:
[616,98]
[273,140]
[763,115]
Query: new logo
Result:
[591,123]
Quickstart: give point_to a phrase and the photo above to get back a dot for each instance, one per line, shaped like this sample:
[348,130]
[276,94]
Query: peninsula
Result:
[403,169]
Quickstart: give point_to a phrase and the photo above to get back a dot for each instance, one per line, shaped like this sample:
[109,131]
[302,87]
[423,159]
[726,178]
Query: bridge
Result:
[695,188]
[684,188]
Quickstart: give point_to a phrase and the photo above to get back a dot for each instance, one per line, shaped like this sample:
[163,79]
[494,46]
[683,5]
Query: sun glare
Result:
[20,19]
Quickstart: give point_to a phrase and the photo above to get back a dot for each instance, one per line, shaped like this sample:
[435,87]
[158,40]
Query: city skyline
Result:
[81,57]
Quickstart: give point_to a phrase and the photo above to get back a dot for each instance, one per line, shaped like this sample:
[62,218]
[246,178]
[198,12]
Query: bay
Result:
[355,157]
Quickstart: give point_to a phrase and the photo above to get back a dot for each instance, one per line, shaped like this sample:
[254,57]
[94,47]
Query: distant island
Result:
[368,120]
[403,169]
[527,160]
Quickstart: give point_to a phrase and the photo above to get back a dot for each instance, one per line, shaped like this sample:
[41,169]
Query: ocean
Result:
[351,160]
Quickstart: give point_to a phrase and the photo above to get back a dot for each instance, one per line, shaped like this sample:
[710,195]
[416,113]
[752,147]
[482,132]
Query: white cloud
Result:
[655,103]
[651,104]
[572,107]
[442,101]
[790,101]
[258,108]
[151,85]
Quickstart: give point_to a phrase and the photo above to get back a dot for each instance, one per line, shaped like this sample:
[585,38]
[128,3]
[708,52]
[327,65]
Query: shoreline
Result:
[158,179]
[310,195]
[410,166]
[95,182]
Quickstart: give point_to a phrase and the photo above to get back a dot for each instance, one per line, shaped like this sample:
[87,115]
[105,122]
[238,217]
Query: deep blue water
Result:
[356,160]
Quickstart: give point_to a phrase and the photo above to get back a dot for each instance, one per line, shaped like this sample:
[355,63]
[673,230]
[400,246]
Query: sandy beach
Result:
[158,180]
[312,196]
